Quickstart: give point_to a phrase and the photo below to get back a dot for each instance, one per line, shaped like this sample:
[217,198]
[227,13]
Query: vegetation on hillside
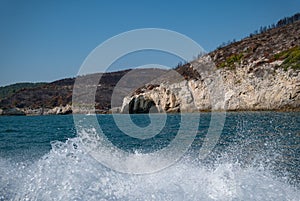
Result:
[282,22]
[7,91]
[59,93]
[232,61]
[291,58]
[278,43]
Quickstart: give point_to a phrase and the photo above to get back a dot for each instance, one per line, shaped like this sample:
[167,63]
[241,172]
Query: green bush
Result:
[230,61]
[291,58]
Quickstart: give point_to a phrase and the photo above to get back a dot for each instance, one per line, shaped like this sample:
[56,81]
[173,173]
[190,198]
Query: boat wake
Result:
[68,172]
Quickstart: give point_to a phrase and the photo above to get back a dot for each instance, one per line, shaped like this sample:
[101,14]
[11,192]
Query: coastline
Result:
[16,112]
[258,73]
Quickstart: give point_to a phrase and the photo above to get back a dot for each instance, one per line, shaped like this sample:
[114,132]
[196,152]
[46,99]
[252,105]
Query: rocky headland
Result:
[260,72]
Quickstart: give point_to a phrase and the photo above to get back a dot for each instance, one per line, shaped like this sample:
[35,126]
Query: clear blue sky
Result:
[49,40]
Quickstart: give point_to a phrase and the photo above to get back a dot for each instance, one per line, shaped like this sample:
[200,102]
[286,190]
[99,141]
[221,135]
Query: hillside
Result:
[276,44]
[7,91]
[52,98]
[56,97]
[260,72]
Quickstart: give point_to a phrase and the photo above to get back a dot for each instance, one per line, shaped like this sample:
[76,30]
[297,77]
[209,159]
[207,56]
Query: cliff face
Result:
[266,88]
[257,73]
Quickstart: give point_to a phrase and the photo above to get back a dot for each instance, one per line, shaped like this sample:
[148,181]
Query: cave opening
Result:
[142,105]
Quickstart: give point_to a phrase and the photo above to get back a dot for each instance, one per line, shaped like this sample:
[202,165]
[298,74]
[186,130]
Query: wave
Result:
[68,172]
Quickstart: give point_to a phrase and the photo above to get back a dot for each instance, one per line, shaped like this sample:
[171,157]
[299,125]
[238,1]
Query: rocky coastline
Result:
[258,73]
[265,88]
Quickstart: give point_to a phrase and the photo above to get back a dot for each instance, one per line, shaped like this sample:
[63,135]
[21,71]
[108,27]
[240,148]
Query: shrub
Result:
[231,60]
[291,58]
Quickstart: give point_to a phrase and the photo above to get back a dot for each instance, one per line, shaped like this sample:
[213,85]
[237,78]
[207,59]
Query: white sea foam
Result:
[67,172]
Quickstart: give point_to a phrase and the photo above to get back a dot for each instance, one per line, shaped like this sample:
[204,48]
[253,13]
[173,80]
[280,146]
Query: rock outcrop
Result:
[59,110]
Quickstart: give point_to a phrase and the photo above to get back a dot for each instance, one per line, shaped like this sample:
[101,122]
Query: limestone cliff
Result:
[258,73]
[265,88]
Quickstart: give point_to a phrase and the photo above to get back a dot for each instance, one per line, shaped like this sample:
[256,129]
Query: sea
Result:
[254,156]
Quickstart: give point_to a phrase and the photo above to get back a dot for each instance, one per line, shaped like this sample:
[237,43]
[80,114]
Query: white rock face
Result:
[261,88]
[59,110]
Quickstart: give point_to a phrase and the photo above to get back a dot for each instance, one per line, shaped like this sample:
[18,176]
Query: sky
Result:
[49,40]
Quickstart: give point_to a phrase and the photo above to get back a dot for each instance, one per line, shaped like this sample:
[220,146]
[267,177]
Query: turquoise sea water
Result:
[257,157]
